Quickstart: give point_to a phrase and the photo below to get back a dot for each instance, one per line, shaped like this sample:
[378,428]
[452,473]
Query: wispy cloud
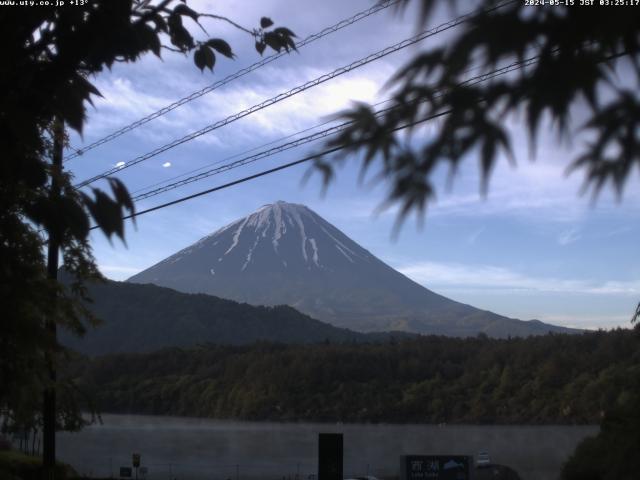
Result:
[569,236]
[588,322]
[473,237]
[488,277]
[537,190]
[615,232]
[123,103]
[117,270]
[296,112]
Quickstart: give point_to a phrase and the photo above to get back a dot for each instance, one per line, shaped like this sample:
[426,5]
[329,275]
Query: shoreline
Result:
[338,422]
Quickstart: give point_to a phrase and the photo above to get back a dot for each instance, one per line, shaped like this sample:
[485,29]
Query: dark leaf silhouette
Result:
[284,31]
[571,54]
[121,194]
[185,10]
[106,213]
[273,41]
[221,47]
[204,57]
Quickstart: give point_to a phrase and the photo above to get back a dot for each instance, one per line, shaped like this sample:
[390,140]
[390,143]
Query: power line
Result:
[282,96]
[281,139]
[231,157]
[271,170]
[240,73]
[312,137]
[487,76]
[244,161]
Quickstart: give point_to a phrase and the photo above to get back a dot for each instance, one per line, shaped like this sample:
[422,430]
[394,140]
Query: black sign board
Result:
[435,467]
[125,472]
[329,456]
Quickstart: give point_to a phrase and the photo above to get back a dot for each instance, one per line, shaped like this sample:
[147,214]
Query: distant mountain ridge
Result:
[144,318]
[287,254]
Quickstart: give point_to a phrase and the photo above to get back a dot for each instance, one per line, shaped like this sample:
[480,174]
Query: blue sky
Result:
[534,248]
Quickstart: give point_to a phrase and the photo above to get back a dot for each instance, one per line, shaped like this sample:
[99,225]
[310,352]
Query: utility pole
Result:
[49,397]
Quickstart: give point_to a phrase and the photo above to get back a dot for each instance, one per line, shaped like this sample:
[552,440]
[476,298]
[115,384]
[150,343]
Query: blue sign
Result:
[435,467]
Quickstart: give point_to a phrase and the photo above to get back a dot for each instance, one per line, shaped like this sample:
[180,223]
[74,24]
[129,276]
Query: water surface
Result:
[191,448]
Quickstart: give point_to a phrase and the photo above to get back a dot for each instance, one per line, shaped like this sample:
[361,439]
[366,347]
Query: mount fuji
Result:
[287,254]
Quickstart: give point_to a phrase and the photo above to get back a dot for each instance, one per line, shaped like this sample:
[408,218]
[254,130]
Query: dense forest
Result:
[561,379]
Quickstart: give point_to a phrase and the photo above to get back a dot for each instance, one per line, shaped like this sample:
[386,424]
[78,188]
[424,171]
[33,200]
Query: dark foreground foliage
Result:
[613,453]
[560,379]
[572,59]
[50,58]
[18,466]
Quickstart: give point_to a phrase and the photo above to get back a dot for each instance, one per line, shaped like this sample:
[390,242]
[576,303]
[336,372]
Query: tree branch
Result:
[152,11]
[228,20]
[177,50]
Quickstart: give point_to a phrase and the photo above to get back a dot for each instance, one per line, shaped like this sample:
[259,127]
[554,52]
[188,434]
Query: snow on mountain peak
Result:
[272,222]
[281,236]
[304,231]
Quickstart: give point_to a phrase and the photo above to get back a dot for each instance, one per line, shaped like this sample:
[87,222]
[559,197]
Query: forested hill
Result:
[546,379]
[142,318]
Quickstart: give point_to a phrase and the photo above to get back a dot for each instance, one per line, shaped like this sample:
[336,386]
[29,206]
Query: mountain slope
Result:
[143,318]
[287,254]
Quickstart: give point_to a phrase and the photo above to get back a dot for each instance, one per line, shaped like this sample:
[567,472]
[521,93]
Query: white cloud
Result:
[121,102]
[569,236]
[489,277]
[126,101]
[113,271]
[532,191]
[292,114]
[588,322]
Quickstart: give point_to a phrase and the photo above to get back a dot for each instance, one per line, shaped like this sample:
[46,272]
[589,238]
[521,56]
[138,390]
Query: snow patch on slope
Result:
[279,229]
[236,236]
[344,253]
[295,215]
[312,241]
[255,244]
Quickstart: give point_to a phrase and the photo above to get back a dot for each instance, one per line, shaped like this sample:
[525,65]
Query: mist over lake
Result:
[184,448]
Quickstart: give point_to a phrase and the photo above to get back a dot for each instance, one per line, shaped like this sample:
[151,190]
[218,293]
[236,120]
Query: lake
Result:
[192,448]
